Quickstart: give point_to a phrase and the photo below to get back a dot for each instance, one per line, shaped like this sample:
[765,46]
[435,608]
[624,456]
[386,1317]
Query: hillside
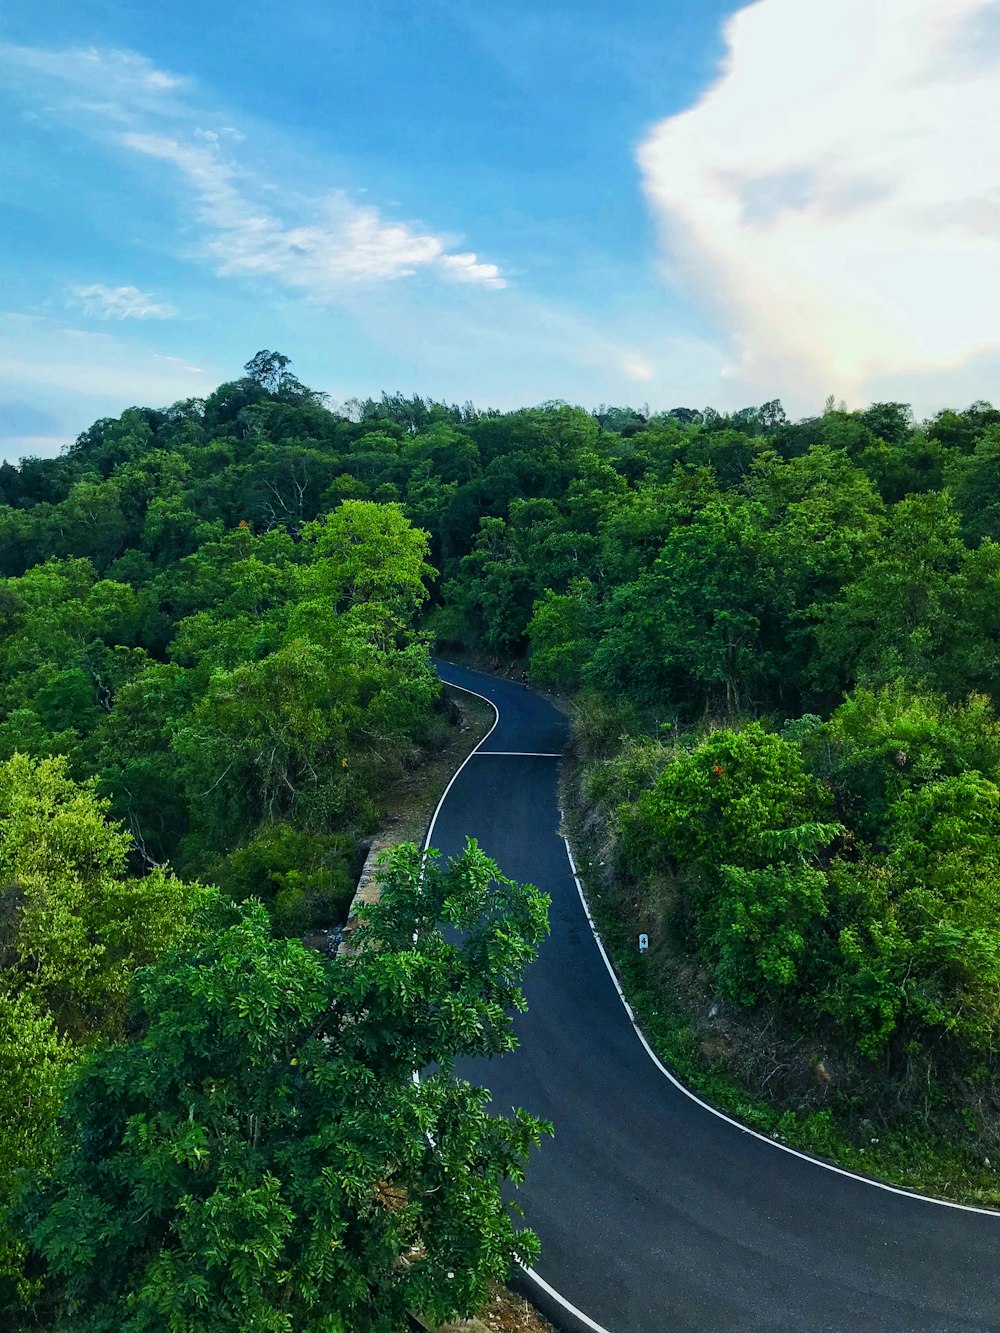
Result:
[781,641]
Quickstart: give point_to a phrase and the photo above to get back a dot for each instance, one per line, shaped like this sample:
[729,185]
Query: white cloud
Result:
[469,268]
[326,240]
[835,196]
[120,303]
[112,83]
[336,241]
[69,377]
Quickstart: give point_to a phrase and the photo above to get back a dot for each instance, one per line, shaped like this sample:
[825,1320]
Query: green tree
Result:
[880,744]
[369,560]
[905,613]
[975,483]
[261,1157]
[562,633]
[689,630]
[33,1062]
[739,820]
[75,924]
[764,928]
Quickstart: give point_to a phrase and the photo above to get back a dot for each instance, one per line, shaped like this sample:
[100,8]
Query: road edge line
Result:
[565,1306]
[721,1115]
[473,751]
[530,1273]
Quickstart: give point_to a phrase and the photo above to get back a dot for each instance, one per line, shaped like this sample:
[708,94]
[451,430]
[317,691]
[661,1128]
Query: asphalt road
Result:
[653,1213]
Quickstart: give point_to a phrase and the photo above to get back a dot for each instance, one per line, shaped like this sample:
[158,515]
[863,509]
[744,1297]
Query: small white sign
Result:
[643,943]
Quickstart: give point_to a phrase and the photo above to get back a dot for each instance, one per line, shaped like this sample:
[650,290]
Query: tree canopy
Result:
[259,1154]
[782,639]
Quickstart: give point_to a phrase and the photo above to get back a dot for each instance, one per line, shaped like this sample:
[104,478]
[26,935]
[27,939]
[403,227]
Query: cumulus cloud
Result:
[119,303]
[835,195]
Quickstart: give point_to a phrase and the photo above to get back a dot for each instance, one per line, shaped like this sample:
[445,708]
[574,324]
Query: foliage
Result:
[880,744]
[723,800]
[215,608]
[689,557]
[33,1062]
[298,875]
[260,1157]
[737,817]
[259,681]
[74,927]
[764,923]
[880,931]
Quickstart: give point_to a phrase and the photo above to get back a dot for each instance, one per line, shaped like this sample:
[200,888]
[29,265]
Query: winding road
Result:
[654,1212]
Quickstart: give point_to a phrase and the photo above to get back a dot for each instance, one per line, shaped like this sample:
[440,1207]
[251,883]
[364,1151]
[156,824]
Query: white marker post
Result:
[643,943]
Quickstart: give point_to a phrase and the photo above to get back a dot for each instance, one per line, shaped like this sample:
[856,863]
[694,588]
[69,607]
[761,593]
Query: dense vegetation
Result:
[243,1145]
[240,690]
[202,1120]
[844,872]
[258,1155]
[783,642]
[74,927]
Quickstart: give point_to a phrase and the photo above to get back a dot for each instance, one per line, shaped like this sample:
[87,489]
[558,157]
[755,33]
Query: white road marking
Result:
[721,1115]
[444,796]
[568,1305]
[782,1147]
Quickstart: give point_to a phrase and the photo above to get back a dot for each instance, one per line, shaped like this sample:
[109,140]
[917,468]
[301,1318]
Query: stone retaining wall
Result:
[368,889]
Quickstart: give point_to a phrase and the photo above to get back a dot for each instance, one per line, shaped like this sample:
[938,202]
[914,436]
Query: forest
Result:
[780,642]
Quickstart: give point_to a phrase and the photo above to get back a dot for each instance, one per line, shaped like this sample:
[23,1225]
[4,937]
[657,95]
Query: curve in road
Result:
[654,1211]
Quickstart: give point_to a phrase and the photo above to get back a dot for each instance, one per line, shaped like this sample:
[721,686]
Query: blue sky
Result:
[679,202]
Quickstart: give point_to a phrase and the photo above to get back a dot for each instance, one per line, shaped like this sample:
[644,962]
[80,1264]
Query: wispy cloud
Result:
[426,309]
[835,196]
[110,83]
[35,351]
[336,241]
[55,379]
[119,303]
[318,245]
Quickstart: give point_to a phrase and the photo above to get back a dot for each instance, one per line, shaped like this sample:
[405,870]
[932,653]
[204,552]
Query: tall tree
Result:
[74,926]
[261,1157]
